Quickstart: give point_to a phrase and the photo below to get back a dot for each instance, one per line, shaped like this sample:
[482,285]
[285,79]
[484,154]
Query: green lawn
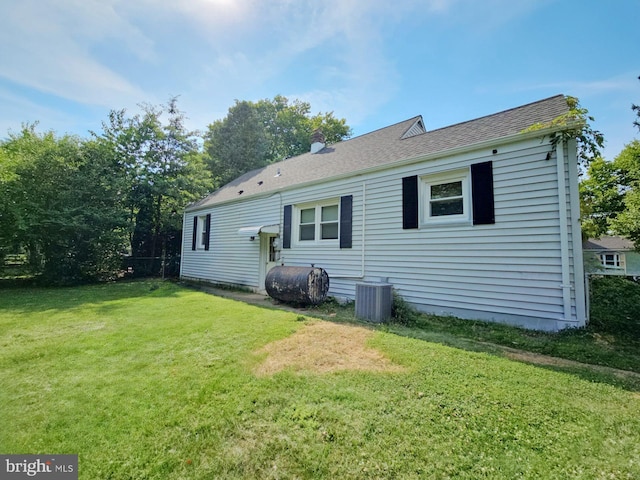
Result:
[148,380]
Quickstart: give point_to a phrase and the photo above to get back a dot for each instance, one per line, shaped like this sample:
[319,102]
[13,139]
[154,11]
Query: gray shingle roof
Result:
[618,244]
[384,147]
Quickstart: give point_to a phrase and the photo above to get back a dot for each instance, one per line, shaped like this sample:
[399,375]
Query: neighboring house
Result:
[611,256]
[477,220]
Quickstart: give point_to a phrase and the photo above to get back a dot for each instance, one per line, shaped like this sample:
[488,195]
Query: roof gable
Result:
[395,143]
[416,129]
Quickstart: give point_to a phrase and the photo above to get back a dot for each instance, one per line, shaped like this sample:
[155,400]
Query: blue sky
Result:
[66,63]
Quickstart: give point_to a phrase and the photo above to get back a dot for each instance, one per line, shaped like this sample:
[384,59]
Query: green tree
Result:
[60,205]
[236,144]
[601,198]
[334,129]
[253,135]
[610,195]
[163,171]
[8,210]
[576,123]
[627,164]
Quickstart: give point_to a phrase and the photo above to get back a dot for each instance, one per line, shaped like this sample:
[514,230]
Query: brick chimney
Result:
[317,141]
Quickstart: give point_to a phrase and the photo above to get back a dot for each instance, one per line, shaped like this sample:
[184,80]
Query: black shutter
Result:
[410,202]
[286,229]
[207,229]
[194,239]
[482,192]
[346,209]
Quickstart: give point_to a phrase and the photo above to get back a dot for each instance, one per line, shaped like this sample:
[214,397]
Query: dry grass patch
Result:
[324,347]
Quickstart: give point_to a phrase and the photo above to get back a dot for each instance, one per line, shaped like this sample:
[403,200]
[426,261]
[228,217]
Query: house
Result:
[477,220]
[611,255]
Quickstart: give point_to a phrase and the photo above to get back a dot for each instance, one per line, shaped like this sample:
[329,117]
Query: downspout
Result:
[580,284]
[184,229]
[364,217]
[564,233]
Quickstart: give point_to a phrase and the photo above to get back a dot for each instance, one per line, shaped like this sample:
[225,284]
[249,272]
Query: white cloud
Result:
[74,49]
[116,53]
[16,110]
[48,47]
[340,43]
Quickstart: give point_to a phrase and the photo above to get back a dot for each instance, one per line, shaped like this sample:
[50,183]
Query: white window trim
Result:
[618,259]
[318,221]
[426,181]
[202,223]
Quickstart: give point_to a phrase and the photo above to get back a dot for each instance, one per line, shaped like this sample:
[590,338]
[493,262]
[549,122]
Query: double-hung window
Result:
[446,197]
[329,221]
[318,222]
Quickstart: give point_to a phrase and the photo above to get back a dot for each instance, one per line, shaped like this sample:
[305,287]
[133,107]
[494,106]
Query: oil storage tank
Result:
[302,285]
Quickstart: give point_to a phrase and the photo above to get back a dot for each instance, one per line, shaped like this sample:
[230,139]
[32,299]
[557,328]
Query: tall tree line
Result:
[75,206]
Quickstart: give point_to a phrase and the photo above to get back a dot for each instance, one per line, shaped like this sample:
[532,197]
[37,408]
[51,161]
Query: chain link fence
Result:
[165,267]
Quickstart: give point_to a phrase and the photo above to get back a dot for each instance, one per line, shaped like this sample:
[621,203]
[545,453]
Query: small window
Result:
[318,222]
[610,260]
[446,197]
[273,251]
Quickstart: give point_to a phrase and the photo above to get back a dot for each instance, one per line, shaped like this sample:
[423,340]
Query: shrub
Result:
[401,312]
[615,305]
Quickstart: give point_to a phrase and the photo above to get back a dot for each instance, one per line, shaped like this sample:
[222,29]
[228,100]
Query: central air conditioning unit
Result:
[373,301]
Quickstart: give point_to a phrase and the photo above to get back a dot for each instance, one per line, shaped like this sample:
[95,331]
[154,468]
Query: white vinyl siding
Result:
[232,258]
[507,271]
[344,266]
[511,268]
